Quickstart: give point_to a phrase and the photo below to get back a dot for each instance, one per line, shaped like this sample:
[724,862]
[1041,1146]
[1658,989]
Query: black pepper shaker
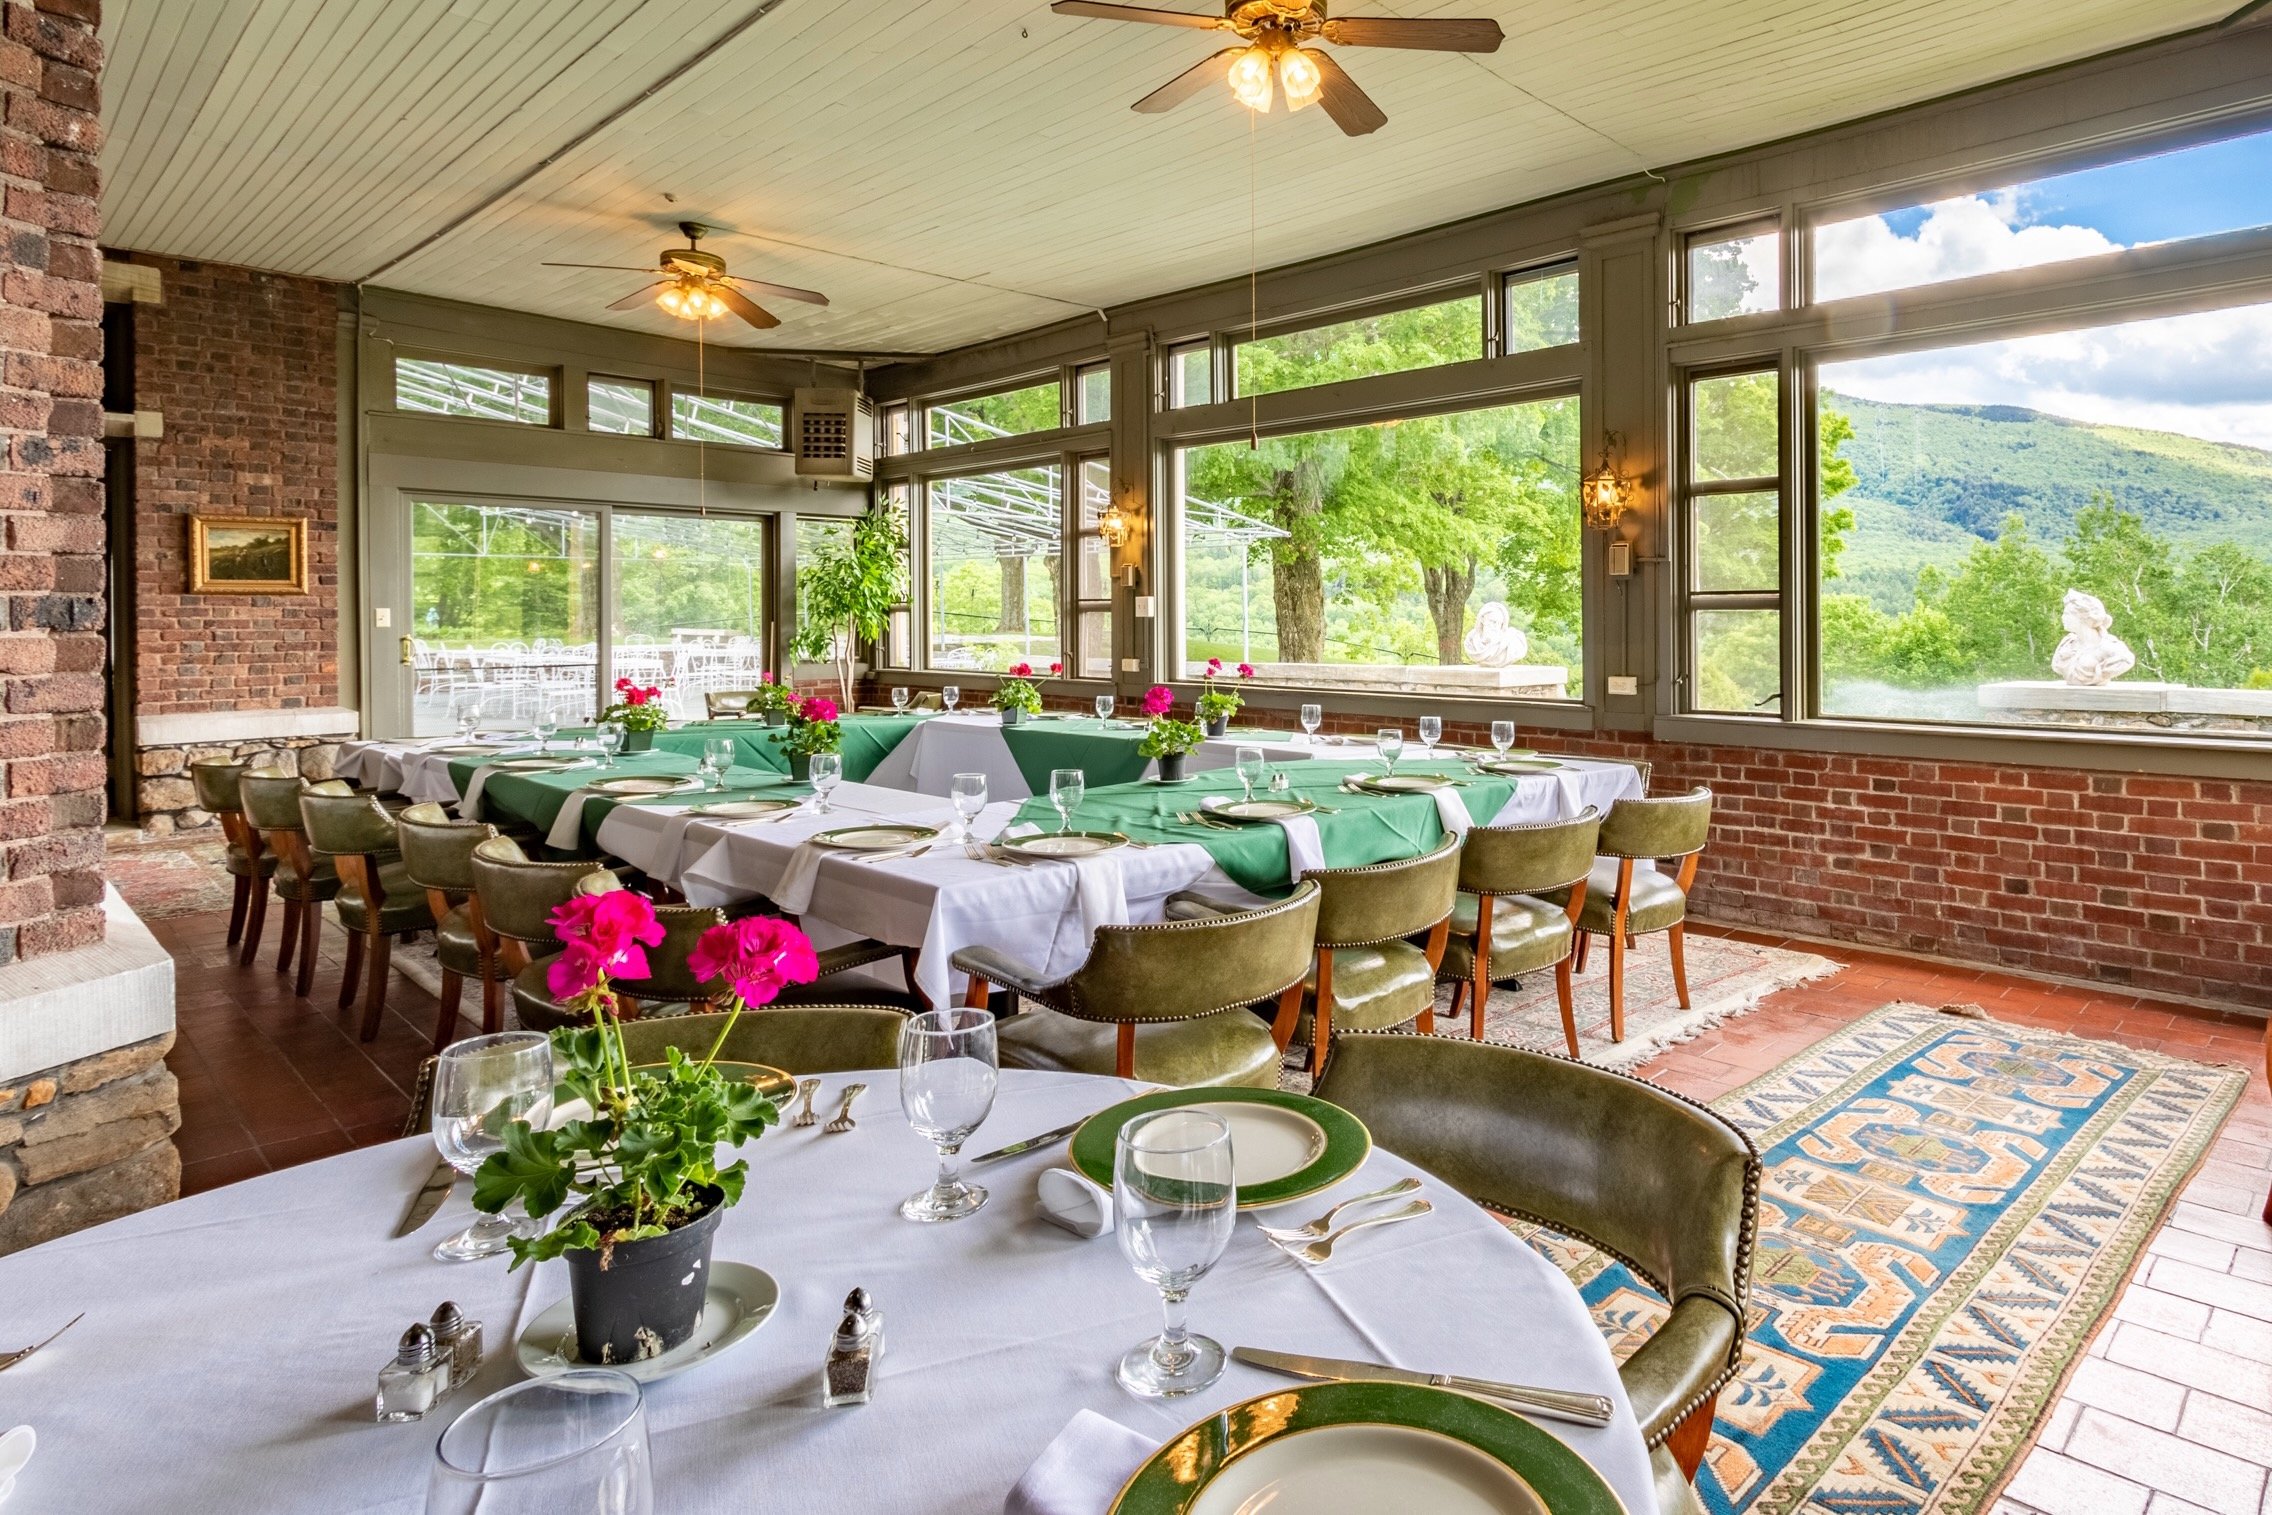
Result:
[854,1354]
[457,1341]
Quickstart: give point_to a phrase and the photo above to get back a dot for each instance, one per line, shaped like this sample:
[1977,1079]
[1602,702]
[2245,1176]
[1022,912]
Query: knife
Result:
[1558,1404]
[1046,1138]
[439,1183]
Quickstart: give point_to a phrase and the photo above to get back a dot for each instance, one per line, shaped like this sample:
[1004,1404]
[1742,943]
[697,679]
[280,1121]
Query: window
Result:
[982,418]
[2165,197]
[505,611]
[434,387]
[1094,385]
[1191,370]
[725,418]
[1542,309]
[1971,493]
[1422,337]
[1734,273]
[994,544]
[625,407]
[1434,555]
[898,430]
[1734,495]
[1092,591]
[689,605]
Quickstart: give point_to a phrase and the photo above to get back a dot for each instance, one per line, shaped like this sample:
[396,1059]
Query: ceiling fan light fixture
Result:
[690,299]
[1300,77]
[1250,78]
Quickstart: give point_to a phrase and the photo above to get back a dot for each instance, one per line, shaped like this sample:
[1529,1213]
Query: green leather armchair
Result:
[515,896]
[1622,902]
[301,880]
[377,901]
[437,853]
[1505,923]
[1661,1183]
[247,859]
[1167,1002]
[670,979]
[794,1038]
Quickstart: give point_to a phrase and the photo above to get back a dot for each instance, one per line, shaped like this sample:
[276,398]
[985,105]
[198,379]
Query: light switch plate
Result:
[1147,606]
[383,616]
[1130,665]
[1624,683]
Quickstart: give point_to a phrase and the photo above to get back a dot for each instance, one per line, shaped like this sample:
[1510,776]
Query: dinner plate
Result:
[771,1082]
[1062,843]
[1258,810]
[636,786]
[1518,765]
[737,1300]
[729,810]
[538,765]
[477,749]
[1399,783]
[1366,1449]
[1283,1146]
[875,838]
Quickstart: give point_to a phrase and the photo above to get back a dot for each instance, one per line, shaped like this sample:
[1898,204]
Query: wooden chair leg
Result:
[1617,986]
[1427,1020]
[240,899]
[1585,948]
[253,922]
[446,1017]
[1569,1011]
[352,970]
[1288,1017]
[492,1004]
[1679,966]
[290,944]
[375,994]
[1479,983]
[1689,1439]
[1321,1017]
[974,997]
[311,933]
[350,981]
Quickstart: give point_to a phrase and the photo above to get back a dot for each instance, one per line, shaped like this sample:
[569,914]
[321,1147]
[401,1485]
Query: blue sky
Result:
[2223,186]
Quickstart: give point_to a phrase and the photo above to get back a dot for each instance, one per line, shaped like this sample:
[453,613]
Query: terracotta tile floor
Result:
[2170,1413]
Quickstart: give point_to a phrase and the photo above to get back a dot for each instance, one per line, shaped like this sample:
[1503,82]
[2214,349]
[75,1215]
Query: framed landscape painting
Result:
[248,555]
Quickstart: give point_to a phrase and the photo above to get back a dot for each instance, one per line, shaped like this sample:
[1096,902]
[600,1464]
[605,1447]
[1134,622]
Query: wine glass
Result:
[718,757]
[1502,736]
[1174,1199]
[481,1086]
[1251,768]
[1431,732]
[827,771]
[574,1441]
[947,1075]
[1066,786]
[899,699]
[1390,741]
[468,712]
[609,736]
[1104,707]
[1313,716]
[547,722]
[969,795]
[950,695]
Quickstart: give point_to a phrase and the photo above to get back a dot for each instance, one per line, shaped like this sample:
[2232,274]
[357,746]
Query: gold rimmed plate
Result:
[742,810]
[538,764]
[1514,766]
[1259,810]
[1062,844]
[636,787]
[1399,783]
[880,837]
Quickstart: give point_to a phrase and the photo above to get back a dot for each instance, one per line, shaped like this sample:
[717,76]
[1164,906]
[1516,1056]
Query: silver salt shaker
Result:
[854,1354]
[416,1380]
[458,1342]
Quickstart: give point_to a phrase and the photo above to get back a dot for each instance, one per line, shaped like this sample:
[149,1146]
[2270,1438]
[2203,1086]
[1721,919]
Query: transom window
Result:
[730,419]
[1424,336]
[986,417]
[474,391]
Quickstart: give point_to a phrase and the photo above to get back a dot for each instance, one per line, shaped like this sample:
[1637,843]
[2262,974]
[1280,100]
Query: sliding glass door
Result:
[689,604]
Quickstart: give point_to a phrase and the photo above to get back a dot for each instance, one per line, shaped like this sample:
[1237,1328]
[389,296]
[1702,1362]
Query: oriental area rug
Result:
[1949,1207]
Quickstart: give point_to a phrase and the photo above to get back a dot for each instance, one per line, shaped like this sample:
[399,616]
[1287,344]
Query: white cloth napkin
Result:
[469,807]
[1100,889]
[15,1450]
[1069,1199]
[795,891]
[1081,1472]
[1452,811]
[568,826]
[1304,848]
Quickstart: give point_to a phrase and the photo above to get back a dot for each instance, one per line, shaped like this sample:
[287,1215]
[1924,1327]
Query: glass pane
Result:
[504,602]
[899,433]
[690,605]
[463,389]
[996,542]
[817,537]
[1096,490]
[1734,276]
[1542,310]
[1191,375]
[2005,521]
[2167,197]
[1096,558]
[623,406]
[981,418]
[722,418]
[1406,339]
[1738,543]
[1096,393]
[1738,420]
[1096,644]
[1739,661]
[1437,554]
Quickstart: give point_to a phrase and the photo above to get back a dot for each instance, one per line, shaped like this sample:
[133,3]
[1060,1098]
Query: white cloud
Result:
[1974,234]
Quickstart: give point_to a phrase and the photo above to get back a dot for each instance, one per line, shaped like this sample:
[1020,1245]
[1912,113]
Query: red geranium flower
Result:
[757,957]
[818,709]
[1021,670]
[1246,670]
[603,935]
[1159,700]
[1056,668]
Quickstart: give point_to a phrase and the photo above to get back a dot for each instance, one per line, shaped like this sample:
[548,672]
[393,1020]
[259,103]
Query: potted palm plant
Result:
[846,595]
[1167,740]
[638,710]
[813,727]
[635,1183]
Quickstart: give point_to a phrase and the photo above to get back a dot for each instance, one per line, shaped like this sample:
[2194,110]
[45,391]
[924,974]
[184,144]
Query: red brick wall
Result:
[243,366]
[52,768]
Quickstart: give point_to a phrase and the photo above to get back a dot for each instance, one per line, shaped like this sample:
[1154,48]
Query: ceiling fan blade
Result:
[1350,107]
[782,291]
[749,310]
[621,268]
[1188,83]
[1107,12]
[1480,35]
[638,297]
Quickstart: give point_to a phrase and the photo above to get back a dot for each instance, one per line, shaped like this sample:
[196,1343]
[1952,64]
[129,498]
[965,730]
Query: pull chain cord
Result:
[701,446]
[1253,299]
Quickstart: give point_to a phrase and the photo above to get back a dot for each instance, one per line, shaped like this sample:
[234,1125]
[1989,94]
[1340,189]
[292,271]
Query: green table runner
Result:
[535,799]
[868,740]
[1360,828]
[1106,753]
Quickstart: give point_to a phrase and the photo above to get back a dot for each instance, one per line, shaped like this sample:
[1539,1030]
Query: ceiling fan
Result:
[696,287]
[1271,53]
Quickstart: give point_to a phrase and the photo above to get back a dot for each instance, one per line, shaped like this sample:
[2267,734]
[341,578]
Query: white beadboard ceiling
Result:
[946,170]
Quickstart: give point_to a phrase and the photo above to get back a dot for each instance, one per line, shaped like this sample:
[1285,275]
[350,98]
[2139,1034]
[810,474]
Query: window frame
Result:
[1742,229]
[552,375]
[1495,342]
[1485,290]
[1065,461]
[655,407]
[667,420]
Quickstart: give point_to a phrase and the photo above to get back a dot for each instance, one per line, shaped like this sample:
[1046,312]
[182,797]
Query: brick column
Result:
[52,769]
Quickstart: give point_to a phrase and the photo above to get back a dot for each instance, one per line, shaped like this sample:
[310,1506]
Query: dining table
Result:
[1017,760]
[232,1339]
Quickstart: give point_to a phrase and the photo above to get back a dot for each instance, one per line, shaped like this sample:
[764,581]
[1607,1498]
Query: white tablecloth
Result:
[946,745]
[232,1340]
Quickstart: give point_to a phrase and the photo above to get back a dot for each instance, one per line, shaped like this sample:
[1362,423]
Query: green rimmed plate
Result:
[1346,1448]
[1514,766]
[644,788]
[881,837]
[1284,1146]
[1062,844]
[1399,783]
[471,749]
[742,810]
[1250,811]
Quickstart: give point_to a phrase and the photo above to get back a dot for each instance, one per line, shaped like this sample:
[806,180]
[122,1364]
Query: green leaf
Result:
[532,1167]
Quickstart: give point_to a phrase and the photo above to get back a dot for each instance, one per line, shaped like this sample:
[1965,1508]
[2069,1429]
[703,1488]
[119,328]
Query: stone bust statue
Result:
[2090,653]
[1492,642]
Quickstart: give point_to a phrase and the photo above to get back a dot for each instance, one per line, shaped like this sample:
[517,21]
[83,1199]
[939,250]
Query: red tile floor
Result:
[2168,1414]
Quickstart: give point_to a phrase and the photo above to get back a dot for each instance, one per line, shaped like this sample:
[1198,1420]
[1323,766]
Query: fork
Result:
[1318,1251]
[843,1121]
[806,1089]
[979,852]
[1324,1223]
[10,1359]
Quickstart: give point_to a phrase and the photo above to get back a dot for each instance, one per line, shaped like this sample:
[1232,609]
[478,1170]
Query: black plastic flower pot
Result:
[772,718]
[801,767]
[1219,725]
[1012,714]
[638,741]
[639,1299]
[1171,768]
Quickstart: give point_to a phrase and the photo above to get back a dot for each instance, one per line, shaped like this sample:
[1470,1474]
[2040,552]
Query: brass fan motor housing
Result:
[690,260]
[1296,19]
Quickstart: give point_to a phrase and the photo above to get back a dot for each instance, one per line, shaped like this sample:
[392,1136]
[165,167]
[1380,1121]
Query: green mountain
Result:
[1933,479]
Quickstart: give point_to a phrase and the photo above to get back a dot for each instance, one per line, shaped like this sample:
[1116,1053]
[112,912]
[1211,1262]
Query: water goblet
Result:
[718,757]
[1313,716]
[827,771]
[1390,741]
[481,1086]
[573,1441]
[899,698]
[468,713]
[547,722]
[1104,707]
[1502,736]
[969,795]
[1251,768]
[947,1075]
[1066,786]
[949,696]
[609,739]
[1174,1200]
[1431,732]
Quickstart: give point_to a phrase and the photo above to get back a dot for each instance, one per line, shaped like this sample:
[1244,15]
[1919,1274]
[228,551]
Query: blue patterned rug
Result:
[1949,1207]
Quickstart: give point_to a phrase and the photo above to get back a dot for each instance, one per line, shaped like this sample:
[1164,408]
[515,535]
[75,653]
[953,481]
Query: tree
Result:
[849,592]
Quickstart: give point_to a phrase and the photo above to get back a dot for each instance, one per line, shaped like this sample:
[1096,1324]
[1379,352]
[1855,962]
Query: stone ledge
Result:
[212,727]
[67,1006]
[150,1177]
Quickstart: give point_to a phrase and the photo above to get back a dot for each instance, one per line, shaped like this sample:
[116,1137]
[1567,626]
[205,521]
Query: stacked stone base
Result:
[165,798]
[87,1142]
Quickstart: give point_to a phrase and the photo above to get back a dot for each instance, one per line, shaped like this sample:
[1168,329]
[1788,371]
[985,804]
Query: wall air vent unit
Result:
[833,433]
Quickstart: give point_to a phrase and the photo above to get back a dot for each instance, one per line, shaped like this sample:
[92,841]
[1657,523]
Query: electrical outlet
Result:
[1147,607]
[382,616]
[1624,683]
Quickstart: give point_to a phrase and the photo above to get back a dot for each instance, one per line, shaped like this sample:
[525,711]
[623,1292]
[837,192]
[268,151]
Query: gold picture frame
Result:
[248,554]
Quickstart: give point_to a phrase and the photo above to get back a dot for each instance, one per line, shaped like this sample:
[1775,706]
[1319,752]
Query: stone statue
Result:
[1491,642]
[2090,653]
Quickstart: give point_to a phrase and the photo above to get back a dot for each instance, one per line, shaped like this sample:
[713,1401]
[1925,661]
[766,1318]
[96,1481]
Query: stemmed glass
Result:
[547,722]
[827,770]
[1313,716]
[481,1086]
[1502,736]
[1390,741]
[1104,707]
[573,1441]
[949,696]
[1174,1199]
[469,717]
[609,736]
[899,698]
[947,1075]
[1431,732]
[1251,768]
[1066,786]
[969,795]
[717,758]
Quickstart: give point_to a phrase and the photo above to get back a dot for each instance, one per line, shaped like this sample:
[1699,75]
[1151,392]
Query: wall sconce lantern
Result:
[1113,527]
[1607,494]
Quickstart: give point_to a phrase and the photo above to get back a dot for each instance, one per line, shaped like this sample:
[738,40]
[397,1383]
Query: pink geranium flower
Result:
[1246,670]
[1214,666]
[1056,668]
[1159,700]
[765,678]
[1021,670]
[602,936]
[756,957]
[818,709]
